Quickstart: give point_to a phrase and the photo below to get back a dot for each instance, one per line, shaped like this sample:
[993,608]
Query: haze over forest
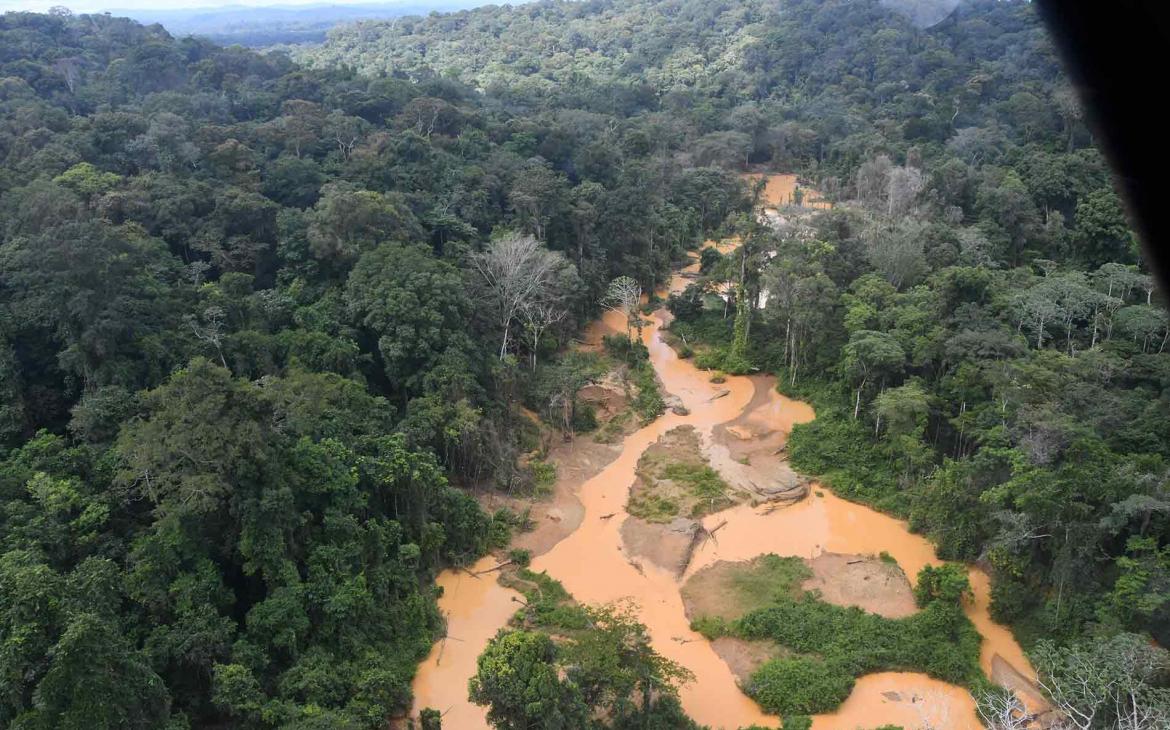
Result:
[558,300]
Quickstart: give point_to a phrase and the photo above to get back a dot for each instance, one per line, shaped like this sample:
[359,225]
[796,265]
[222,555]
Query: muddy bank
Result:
[864,581]
[749,451]
[668,547]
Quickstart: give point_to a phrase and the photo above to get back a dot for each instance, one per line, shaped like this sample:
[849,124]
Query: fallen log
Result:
[469,572]
[495,567]
[608,516]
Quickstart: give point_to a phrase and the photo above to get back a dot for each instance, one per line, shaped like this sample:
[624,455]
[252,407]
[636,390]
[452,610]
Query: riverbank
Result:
[592,564]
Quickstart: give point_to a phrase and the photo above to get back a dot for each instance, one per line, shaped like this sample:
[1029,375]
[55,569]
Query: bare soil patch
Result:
[749,451]
[744,657]
[674,480]
[669,546]
[866,582]
[556,516]
[1005,675]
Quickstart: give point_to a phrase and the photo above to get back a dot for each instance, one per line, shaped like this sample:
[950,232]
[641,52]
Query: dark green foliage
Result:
[947,583]
[430,719]
[600,656]
[799,685]
[518,681]
[837,448]
[688,305]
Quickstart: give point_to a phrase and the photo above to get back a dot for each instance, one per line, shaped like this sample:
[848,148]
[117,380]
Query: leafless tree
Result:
[1106,684]
[872,178]
[902,188]
[518,271]
[538,316]
[897,251]
[1003,711]
[975,248]
[625,296]
[211,329]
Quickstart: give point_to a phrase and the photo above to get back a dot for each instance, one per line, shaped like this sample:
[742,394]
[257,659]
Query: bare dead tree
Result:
[1110,684]
[1003,711]
[538,316]
[210,330]
[518,271]
[624,296]
[902,188]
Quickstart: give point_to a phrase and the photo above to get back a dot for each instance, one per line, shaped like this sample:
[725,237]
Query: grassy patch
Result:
[771,579]
[833,645]
[674,480]
[550,607]
[613,429]
[544,476]
[653,507]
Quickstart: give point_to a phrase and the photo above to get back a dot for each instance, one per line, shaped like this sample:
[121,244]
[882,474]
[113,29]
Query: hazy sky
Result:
[93,6]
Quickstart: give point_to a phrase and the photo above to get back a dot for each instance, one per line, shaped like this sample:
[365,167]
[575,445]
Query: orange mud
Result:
[593,568]
[780,191]
[475,609]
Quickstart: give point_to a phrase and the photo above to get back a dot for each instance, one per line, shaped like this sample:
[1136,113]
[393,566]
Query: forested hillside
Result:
[246,352]
[973,320]
[265,323]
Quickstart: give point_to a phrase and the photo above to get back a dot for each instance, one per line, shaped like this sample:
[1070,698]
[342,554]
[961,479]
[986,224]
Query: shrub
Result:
[544,475]
[584,418]
[799,686]
[947,583]
[832,645]
[520,557]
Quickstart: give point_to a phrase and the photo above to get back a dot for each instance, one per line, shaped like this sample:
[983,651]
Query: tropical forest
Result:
[576,364]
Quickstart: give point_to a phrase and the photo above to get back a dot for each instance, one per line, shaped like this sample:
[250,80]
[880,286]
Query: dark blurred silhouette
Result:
[1116,55]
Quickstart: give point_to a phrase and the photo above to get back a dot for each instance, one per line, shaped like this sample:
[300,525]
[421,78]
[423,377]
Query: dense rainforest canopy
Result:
[261,332]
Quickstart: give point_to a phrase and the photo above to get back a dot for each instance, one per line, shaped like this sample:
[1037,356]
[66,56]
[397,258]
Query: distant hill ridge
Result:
[274,24]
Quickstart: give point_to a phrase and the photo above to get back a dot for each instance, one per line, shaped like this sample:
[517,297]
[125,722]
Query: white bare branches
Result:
[1003,711]
[519,272]
[538,316]
[902,188]
[211,329]
[1106,684]
[625,296]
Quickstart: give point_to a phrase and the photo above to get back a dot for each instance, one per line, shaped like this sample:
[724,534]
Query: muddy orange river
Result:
[591,565]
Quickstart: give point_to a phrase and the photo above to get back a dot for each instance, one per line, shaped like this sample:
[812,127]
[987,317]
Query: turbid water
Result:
[592,566]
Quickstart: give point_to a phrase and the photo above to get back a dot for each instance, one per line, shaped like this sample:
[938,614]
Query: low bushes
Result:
[833,645]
